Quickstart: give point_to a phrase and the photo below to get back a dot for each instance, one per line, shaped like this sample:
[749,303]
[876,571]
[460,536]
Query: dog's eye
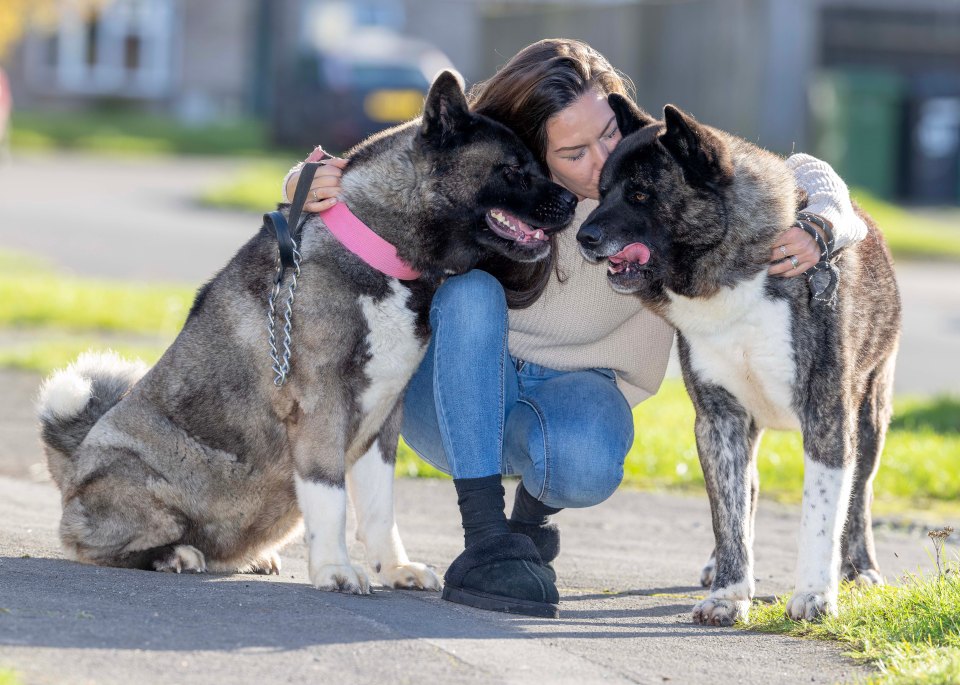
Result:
[640,197]
[515,175]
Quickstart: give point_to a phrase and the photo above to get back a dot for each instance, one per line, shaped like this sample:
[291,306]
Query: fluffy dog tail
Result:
[75,398]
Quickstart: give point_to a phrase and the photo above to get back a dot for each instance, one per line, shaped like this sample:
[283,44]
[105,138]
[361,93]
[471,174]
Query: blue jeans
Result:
[472,410]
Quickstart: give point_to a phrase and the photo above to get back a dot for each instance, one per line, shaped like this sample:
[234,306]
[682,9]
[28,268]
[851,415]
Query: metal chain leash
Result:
[288,257]
[281,362]
[824,276]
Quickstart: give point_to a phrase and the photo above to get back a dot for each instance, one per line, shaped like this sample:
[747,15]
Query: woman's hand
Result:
[794,252]
[325,187]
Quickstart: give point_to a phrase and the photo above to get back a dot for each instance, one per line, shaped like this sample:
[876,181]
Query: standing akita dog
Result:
[687,218]
[202,462]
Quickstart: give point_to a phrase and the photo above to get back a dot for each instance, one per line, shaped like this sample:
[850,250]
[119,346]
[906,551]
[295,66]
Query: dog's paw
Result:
[868,576]
[340,578]
[409,576]
[182,559]
[718,611]
[708,572]
[269,565]
[809,606]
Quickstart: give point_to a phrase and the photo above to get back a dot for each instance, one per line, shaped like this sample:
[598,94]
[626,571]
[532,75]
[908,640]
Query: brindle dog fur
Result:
[701,210]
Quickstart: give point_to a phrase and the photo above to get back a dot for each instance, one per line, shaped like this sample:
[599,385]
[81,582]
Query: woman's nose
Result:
[602,153]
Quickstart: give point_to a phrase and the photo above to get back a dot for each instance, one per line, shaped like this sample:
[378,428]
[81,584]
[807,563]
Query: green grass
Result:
[254,187]
[45,356]
[132,133]
[89,305]
[910,235]
[910,631]
[8,677]
[47,319]
[34,296]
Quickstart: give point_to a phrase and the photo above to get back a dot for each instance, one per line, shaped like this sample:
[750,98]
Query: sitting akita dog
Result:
[687,218]
[201,463]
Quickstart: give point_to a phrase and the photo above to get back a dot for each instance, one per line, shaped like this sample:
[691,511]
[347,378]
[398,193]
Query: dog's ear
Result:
[701,153]
[445,111]
[630,117]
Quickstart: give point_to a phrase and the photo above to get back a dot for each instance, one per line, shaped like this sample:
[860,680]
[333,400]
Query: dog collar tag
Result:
[357,237]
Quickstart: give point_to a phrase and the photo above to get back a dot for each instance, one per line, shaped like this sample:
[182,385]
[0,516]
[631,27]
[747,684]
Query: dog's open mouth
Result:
[629,259]
[508,226]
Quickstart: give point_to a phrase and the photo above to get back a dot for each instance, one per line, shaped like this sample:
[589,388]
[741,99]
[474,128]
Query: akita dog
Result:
[201,462]
[687,218]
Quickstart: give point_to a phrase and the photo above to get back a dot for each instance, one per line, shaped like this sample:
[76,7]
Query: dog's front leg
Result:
[726,441]
[317,442]
[827,478]
[370,482]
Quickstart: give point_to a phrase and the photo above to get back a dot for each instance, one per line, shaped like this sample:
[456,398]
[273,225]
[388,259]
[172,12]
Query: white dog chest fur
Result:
[395,352]
[741,340]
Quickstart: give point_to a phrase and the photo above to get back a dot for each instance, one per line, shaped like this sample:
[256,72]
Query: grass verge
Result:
[35,296]
[910,235]
[254,187]
[133,133]
[910,631]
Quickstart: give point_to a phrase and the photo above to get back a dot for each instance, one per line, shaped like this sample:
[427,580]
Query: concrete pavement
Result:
[627,574]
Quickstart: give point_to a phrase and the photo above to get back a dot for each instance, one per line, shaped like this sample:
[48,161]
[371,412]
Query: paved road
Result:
[137,219]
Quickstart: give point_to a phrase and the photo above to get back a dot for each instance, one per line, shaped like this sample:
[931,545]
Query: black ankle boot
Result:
[531,517]
[498,570]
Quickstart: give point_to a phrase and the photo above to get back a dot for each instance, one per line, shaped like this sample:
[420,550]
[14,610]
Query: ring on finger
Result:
[783,250]
[794,261]
[315,198]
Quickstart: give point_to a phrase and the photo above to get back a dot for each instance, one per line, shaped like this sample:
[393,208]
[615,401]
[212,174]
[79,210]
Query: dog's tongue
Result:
[634,252]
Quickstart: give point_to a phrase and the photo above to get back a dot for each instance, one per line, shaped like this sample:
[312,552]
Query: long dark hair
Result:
[535,85]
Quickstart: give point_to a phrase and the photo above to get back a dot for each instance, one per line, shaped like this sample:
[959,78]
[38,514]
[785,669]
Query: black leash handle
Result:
[281,225]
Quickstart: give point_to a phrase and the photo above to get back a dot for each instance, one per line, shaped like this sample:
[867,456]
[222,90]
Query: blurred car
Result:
[339,95]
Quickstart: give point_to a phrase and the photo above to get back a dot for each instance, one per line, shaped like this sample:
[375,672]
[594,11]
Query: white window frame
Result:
[152,21]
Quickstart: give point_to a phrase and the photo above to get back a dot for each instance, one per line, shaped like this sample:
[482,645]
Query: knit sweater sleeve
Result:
[829,197]
[286,179]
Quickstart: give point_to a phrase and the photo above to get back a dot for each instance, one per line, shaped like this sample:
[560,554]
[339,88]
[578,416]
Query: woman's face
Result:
[579,140]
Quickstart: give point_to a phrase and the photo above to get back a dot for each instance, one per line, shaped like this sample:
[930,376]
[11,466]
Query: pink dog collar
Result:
[357,237]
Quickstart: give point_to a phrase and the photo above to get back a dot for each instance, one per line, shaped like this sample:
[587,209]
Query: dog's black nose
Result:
[589,235]
[568,198]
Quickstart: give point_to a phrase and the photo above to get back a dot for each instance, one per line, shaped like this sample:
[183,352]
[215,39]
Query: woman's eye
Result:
[613,132]
[579,155]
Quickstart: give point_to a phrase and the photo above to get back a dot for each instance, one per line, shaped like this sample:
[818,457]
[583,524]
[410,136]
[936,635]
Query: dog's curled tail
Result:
[74,398]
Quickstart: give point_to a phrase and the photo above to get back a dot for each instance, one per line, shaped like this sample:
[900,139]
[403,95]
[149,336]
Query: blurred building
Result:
[871,85]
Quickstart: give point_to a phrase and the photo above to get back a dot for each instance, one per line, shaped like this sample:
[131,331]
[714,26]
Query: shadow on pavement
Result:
[57,603]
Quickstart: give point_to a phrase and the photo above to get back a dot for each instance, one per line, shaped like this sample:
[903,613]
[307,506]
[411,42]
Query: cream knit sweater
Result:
[582,323]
